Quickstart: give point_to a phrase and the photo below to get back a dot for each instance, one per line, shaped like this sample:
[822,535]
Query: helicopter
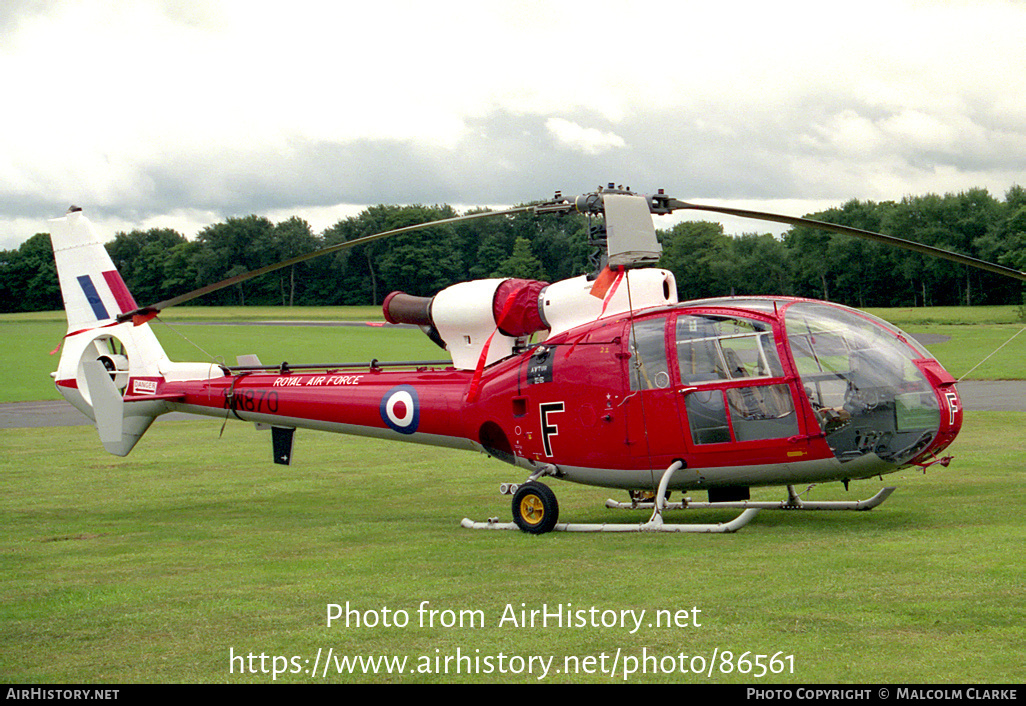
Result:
[604,379]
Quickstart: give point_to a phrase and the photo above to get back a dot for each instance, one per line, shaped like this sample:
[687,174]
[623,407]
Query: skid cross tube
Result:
[654,524]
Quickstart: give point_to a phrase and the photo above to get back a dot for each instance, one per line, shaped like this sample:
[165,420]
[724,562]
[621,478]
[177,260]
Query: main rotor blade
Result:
[857,232]
[148,312]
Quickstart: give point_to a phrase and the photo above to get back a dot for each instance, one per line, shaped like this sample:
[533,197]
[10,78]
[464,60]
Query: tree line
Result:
[160,263]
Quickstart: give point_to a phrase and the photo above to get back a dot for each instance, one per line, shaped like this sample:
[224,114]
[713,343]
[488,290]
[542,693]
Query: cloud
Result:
[583,139]
[143,109]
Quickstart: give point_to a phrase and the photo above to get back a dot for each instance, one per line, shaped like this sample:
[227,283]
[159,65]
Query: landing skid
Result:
[793,502]
[654,525]
[537,509]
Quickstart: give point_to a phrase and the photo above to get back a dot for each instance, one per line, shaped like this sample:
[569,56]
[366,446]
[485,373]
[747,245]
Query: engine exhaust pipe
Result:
[402,308]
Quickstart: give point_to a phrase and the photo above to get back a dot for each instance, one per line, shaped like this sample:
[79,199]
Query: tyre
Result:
[535,509]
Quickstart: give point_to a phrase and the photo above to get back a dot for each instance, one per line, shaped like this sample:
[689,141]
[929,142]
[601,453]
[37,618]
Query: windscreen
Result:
[857,371]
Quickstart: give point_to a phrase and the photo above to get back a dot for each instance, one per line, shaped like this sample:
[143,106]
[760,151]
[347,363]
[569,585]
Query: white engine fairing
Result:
[570,303]
[463,315]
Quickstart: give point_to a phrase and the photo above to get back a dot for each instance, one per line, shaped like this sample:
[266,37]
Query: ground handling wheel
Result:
[535,509]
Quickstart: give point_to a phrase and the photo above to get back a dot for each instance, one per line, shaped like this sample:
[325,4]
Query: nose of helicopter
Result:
[876,389]
[943,384]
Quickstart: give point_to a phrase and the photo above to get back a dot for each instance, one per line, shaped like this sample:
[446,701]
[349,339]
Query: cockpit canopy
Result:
[734,360]
[859,375]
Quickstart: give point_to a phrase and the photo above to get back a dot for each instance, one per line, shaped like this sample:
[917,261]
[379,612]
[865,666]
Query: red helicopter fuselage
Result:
[744,391]
[600,379]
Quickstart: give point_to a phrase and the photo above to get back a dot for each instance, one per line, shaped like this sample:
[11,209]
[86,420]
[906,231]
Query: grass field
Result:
[160,566]
[156,567]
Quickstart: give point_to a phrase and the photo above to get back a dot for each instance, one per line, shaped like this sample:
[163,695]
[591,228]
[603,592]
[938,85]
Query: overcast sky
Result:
[179,113]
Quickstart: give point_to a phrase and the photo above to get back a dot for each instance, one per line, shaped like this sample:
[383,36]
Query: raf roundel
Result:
[400,409]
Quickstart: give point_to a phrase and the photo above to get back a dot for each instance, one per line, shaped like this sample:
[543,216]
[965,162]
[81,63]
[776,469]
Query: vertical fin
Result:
[108,405]
[96,346]
[121,424]
[282,441]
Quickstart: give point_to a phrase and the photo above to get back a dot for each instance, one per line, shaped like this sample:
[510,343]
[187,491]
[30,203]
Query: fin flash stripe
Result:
[93,297]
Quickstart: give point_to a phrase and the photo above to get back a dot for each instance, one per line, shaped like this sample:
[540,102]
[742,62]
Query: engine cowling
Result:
[497,313]
[466,317]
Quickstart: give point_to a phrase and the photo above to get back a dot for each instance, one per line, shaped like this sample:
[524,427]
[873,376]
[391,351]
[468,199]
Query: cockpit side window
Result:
[648,365]
[712,348]
[722,349]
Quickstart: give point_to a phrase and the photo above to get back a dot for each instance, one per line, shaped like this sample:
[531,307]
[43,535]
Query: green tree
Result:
[494,248]
[231,248]
[286,240]
[521,263]
[484,243]
[700,257]
[140,257]
[180,274]
[809,253]
[760,265]
[420,262]
[28,277]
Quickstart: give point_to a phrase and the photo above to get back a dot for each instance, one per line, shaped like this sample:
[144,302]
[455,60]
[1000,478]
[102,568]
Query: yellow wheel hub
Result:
[532,509]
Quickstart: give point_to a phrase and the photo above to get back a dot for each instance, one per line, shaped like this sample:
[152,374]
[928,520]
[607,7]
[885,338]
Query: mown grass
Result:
[153,568]
[954,315]
[989,351]
[33,353]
